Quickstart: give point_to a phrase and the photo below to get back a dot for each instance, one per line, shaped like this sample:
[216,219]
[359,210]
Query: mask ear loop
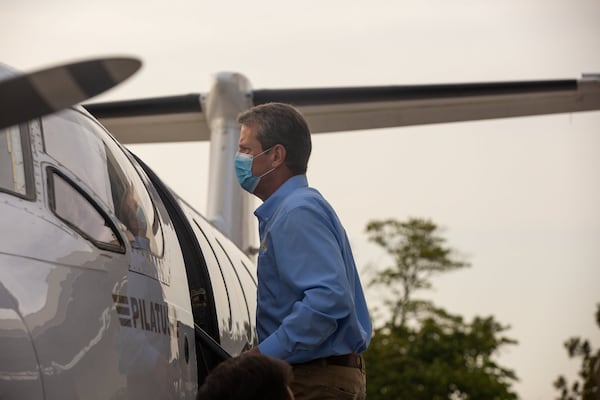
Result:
[261,153]
[268,172]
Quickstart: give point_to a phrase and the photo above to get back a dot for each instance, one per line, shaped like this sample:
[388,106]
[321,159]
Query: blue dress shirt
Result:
[310,300]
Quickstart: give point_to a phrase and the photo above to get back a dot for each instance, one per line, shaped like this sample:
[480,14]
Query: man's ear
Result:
[279,153]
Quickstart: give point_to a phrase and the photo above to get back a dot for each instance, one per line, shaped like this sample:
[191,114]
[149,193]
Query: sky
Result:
[518,198]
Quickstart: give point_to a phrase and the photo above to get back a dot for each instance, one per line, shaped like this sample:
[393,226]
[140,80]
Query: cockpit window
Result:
[15,161]
[76,210]
[84,148]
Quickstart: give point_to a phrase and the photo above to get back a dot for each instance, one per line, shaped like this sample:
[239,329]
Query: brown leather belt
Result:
[352,360]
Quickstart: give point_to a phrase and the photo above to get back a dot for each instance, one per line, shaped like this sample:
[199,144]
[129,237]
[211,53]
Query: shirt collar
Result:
[266,209]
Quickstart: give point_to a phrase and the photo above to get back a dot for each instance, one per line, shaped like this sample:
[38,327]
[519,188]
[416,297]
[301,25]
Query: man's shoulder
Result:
[306,202]
[302,197]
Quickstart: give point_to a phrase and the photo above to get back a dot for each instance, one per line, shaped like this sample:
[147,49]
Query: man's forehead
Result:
[248,134]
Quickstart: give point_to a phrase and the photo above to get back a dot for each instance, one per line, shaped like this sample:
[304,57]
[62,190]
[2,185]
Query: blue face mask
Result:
[243,171]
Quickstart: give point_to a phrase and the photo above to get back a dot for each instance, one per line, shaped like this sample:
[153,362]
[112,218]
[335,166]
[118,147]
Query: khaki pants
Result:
[315,381]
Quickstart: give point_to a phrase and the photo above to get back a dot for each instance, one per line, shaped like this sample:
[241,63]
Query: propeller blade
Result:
[35,94]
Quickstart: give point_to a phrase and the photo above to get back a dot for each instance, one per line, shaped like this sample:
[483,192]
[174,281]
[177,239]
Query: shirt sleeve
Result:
[311,266]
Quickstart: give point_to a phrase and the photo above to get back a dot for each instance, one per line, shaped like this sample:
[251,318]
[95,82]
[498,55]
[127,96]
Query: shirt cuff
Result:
[271,346]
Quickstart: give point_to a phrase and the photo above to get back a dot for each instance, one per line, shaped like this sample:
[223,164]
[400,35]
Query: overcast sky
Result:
[519,197]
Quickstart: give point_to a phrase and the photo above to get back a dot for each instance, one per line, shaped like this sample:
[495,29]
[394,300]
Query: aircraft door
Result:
[147,345]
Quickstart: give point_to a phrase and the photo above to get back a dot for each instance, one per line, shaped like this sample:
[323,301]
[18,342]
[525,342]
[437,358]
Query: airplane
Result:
[113,286]
[104,291]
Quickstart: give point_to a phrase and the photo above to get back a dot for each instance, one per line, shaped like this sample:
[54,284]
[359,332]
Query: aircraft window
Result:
[75,146]
[135,208]
[77,211]
[82,146]
[15,161]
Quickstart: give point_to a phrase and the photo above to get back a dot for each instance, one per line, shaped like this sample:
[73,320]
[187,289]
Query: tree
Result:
[588,388]
[418,253]
[438,355]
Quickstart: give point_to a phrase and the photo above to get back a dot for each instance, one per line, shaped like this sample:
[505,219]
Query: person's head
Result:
[251,376]
[277,135]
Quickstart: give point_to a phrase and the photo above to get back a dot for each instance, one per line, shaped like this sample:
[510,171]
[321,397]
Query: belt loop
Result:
[360,361]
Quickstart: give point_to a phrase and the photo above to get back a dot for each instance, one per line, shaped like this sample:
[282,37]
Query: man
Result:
[311,308]
[248,377]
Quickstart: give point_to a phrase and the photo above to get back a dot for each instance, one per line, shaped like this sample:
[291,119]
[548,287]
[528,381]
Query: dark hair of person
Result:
[279,123]
[250,376]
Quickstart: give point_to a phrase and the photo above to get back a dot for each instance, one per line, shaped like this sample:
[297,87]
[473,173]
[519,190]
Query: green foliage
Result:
[445,358]
[588,387]
[437,355]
